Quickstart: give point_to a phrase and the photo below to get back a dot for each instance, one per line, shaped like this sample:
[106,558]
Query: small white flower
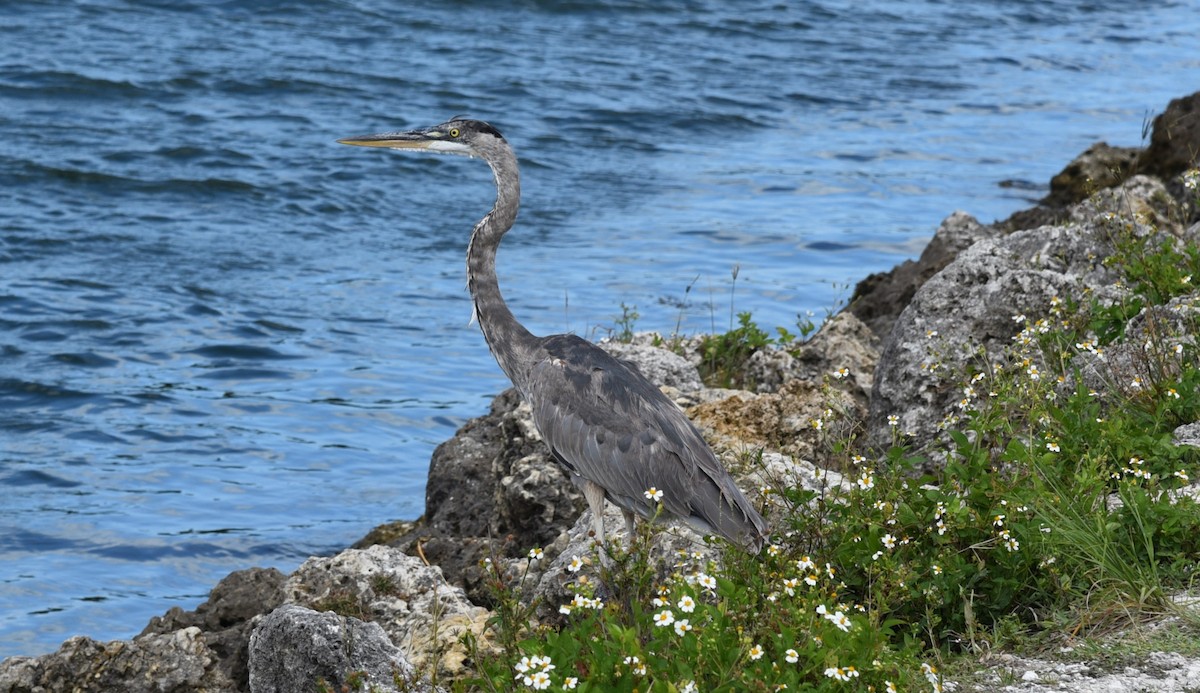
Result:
[664,618]
[571,682]
[653,494]
[686,604]
[893,420]
[756,652]
[889,541]
[682,627]
[840,620]
[575,564]
[792,656]
[536,554]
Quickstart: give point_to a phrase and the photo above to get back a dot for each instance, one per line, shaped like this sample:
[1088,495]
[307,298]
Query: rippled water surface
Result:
[226,341]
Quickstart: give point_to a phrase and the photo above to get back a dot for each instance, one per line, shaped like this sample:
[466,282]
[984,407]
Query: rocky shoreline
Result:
[395,606]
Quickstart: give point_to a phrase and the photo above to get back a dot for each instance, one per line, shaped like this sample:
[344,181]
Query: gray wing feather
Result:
[608,424]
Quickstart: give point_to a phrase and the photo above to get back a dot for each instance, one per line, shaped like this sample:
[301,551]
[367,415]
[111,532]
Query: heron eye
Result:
[454,132]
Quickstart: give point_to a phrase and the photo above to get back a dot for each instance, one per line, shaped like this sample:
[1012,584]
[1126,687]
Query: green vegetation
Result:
[1054,512]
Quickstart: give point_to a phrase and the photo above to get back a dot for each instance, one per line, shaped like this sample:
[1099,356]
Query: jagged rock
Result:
[794,420]
[1188,434]
[417,608]
[226,618]
[879,299]
[1142,201]
[294,649]
[1162,672]
[1147,352]
[492,480]
[178,662]
[966,311]
[845,349]
[1174,140]
[1100,166]
[843,342]
[662,367]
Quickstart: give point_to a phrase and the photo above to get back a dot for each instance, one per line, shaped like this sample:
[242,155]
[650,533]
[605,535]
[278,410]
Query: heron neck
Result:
[508,340]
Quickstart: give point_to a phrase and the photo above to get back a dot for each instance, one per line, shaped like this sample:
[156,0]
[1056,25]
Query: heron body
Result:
[615,434]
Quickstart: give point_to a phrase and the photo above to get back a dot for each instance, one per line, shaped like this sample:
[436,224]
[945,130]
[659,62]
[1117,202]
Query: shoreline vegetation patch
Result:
[1053,504]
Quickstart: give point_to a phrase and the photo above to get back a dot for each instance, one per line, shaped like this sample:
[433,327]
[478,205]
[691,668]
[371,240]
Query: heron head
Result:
[455,136]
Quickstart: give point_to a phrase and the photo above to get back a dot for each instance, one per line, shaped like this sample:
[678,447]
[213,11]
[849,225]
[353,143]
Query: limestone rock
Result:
[966,311]
[1146,354]
[412,602]
[294,649]
[1188,434]
[177,662]
[661,366]
[1100,166]
[492,480]
[794,420]
[879,299]
[226,619]
[1174,140]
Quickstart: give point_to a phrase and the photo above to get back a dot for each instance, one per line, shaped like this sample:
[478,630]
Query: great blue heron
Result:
[615,434]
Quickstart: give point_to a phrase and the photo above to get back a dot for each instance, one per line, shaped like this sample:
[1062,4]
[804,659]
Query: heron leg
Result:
[594,493]
[628,524]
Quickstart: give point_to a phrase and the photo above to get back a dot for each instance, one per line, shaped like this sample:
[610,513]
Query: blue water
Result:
[226,341]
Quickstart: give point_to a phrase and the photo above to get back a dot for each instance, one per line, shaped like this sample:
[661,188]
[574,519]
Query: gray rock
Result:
[843,345]
[493,480]
[178,662]
[966,311]
[226,618]
[294,648]
[412,602]
[1174,139]
[661,366]
[1188,434]
[1146,354]
[1160,672]
[879,299]
[1100,166]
